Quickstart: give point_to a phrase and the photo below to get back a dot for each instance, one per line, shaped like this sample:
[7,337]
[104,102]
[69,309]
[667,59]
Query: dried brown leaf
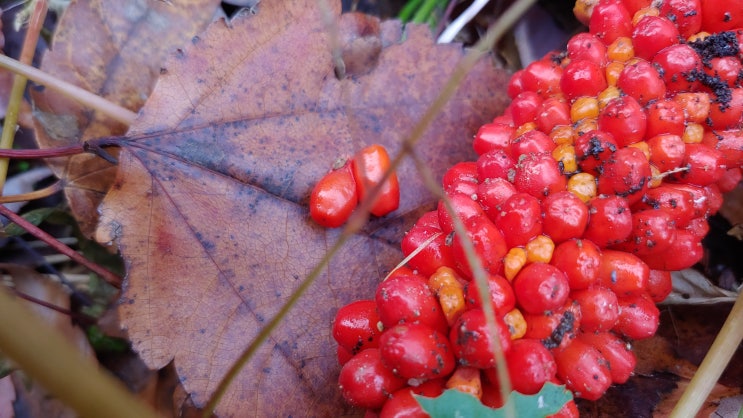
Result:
[114,49]
[209,206]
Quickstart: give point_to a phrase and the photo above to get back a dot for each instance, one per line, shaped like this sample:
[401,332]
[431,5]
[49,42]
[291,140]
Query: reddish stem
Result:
[105,274]
[42,153]
[88,320]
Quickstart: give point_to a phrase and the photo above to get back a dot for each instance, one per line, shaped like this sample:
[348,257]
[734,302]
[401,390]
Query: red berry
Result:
[586,46]
[416,351]
[493,193]
[334,197]
[667,151]
[402,403]
[653,231]
[520,219]
[555,328]
[598,307]
[610,20]
[461,178]
[653,33]
[493,136]
[685,14]
[726,110]
[554,112]
[627,174]
[540,287]
[531,142]
[685,251]
[665,116]
[625,274]
[704,165]
[677,63]
[501,295]
[530,365]
[435,254]
[582,78]
[641,81]
[721,15]
[610,220]
[583,369]
[355,327]
[465,207]
[406,298]
[673,199]
[659,285]
[617,352]
[579,259]
[490,246]
[473,343]
[593,148]
[638,317]
[542,77]
[369,167]
[565,216]
[365,382]
[524,107]
[495,164]
[624,119]
[539,175]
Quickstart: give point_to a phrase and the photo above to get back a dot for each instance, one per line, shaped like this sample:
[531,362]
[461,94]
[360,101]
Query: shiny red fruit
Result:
[365,382]
[416,351]
[530,365]
[599,308]
[520,219]
[583,369]
[617,352]
[369,167]
[355,327]
[624,119]
[579,259]
[334,197]
[565,216]
[435,253]
[406,298]
[610,220]
[540,287]
[489,244]
[638,317]
[473,343]
[625,274]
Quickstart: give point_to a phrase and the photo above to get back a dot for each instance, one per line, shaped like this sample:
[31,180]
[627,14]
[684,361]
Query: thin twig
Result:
[36,194]
[461,21]
[105,274]
[72,91]
[30,154]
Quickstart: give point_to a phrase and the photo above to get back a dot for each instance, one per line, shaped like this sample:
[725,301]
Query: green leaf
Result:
[453,403]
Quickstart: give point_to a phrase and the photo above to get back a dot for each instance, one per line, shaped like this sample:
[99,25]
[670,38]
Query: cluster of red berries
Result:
[336,195]
[595,183]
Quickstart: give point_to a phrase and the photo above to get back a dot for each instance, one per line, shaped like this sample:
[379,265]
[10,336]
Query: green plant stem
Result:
[424,12]
[49,358]
[72,91]
[409,9]
[19,85]
[726,343]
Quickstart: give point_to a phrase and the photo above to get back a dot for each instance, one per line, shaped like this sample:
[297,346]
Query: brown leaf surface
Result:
[114,49]
[209,206]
